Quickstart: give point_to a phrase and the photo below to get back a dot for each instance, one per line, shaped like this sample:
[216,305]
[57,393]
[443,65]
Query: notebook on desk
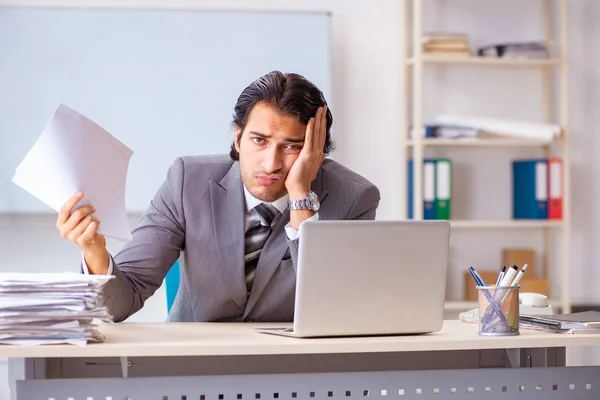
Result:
[581,322]
[361,278]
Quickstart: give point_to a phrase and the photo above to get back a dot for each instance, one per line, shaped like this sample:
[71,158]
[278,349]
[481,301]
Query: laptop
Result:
[364,278]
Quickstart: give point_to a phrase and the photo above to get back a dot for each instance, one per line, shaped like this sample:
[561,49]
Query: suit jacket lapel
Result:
[228,210]
[274,250]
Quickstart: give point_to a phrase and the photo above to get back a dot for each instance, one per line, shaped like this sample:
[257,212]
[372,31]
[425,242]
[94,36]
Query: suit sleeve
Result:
[141,265]
[364,207]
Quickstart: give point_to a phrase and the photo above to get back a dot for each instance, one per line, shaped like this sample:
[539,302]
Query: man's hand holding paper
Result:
[73,154]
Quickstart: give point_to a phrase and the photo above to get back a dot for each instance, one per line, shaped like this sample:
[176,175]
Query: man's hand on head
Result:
[305,168]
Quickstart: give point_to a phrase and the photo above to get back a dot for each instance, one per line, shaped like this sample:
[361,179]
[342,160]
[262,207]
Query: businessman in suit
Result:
[233,220]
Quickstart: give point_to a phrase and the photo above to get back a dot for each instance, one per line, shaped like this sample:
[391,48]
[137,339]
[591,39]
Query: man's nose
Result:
[271,161]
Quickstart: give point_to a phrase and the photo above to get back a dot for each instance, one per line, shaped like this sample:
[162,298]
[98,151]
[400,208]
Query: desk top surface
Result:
[226,339]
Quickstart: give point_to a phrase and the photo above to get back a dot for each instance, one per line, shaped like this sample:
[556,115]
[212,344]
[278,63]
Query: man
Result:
[233,219]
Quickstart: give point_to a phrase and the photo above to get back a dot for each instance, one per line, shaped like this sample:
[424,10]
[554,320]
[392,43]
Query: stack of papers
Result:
[51,308]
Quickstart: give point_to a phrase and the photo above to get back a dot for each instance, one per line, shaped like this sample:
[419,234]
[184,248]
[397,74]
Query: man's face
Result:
[268,147]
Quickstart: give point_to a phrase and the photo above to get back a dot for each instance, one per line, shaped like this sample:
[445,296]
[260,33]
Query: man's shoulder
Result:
[214,166]
[336,175]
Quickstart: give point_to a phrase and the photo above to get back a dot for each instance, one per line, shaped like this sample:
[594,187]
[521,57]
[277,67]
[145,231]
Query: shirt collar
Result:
[251,201]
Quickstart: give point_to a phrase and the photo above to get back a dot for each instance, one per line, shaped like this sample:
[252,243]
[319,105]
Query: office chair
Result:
[172,284]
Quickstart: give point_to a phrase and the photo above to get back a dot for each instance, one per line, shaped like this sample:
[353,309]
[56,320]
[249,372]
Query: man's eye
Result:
[258,140]
[293,147]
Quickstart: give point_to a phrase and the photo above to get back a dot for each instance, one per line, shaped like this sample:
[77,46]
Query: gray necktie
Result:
[256,236]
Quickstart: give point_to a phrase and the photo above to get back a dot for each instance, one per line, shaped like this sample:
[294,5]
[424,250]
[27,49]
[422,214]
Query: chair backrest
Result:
[172,284]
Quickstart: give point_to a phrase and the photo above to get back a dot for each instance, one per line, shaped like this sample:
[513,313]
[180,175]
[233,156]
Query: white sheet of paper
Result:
[74,153]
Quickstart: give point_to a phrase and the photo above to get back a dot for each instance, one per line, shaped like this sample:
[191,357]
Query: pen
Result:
[519,276]
[476,276]
[501,275]
[508,277]
[514,283]
[499,293]
[486,293]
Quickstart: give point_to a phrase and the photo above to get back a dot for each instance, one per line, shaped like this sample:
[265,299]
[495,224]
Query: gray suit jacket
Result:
[198,214]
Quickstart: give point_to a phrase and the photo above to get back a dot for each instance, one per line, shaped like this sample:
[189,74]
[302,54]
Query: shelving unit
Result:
[415,70]
[484,142]
[510,224]
[480,61]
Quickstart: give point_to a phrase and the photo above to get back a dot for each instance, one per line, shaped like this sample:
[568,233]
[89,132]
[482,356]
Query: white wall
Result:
[367,86]
[365,62]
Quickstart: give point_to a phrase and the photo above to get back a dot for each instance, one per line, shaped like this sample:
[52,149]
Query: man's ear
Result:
[236,138]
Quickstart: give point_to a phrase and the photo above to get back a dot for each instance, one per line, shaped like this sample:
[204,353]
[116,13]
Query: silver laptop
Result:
[369,278]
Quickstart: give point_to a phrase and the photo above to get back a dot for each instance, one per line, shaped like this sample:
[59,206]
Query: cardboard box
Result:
[520,257]
[489,277]
[536,285]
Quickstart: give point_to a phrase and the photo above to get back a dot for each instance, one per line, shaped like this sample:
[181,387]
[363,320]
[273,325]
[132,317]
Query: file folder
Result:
[429,209]
[429,186]
[555,188]
[530,189]
[443,185]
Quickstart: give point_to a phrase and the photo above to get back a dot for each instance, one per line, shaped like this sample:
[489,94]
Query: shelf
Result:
[506,223]
[463,305]
[487,61]
[491,142]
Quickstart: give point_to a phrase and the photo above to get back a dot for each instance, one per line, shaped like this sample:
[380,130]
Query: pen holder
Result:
[498,310]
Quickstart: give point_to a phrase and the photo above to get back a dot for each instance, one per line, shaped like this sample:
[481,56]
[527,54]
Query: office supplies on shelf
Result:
[428,186]
[446,44]
[499,131]
[526,50]
[519,256]
[530,189]
[443,188]
[504,127]
[555,188]
[437,188]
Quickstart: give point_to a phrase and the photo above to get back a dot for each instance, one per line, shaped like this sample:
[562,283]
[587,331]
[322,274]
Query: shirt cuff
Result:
[86,271]
[292,234]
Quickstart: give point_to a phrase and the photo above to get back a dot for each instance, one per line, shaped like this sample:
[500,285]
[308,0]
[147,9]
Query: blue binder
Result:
[429,188]
[530,189]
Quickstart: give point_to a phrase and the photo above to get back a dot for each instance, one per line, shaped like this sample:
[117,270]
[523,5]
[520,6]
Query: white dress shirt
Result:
[251,202]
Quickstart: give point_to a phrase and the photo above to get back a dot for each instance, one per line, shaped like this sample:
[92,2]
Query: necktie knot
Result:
[266,213]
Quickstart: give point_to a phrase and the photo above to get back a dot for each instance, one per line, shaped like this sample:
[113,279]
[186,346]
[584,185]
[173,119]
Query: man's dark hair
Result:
[290,94]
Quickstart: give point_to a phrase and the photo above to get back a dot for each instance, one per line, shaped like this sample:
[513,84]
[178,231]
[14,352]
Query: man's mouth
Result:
[267,180]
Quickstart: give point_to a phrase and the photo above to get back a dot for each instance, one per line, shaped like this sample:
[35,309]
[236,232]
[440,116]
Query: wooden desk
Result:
[228,361]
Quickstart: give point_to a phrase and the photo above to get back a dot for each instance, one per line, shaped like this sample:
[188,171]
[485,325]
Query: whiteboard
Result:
[162,82]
